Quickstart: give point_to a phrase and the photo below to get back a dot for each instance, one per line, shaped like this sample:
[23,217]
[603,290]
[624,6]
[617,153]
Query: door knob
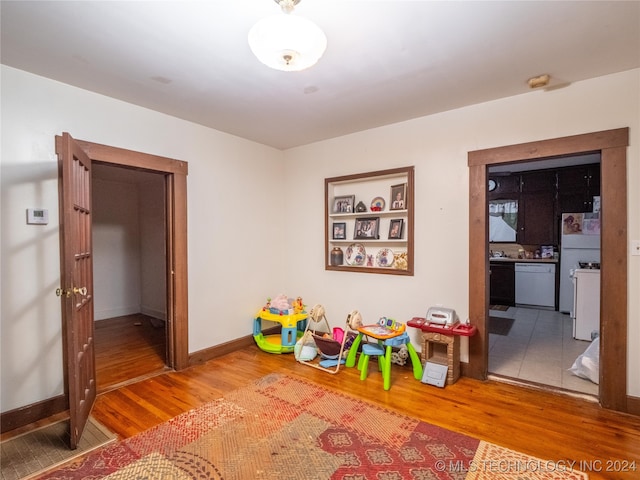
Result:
[67,293]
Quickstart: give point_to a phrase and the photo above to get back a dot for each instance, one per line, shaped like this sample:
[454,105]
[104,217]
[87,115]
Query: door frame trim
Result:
[612,144]
[175,172]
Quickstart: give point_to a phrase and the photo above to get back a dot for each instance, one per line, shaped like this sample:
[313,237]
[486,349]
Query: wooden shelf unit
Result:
[365,187]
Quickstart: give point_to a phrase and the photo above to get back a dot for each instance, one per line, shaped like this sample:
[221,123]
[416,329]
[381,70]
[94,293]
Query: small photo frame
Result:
[366,228]
[340,231]
[398,197]
[344,204]
[395,229]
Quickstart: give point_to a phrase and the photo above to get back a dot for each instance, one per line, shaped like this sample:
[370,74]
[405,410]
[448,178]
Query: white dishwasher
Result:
[536,284]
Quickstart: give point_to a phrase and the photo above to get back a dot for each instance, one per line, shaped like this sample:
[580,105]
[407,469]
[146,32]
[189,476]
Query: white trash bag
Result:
[587,365]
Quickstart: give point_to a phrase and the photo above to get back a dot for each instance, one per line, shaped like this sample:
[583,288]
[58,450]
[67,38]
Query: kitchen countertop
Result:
[522,260]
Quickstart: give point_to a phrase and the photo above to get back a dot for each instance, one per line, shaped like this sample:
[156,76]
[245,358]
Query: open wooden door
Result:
[76,289]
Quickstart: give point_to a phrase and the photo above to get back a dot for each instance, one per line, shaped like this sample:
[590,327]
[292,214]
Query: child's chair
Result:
[370,350]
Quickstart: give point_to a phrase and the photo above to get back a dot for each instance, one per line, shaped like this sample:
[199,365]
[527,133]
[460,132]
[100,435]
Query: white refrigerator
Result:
[579,242]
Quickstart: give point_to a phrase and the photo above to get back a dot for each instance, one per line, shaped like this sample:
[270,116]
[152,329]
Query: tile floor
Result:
[539,348]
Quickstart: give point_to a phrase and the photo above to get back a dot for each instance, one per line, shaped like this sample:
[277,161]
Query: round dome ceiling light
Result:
[286,41]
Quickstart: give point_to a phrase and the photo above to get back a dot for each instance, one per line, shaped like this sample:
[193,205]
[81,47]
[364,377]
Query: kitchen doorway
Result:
[531,340]
[612,144]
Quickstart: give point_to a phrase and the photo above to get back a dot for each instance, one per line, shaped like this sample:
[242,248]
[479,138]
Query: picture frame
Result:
[344,204]
[395,228]
[339,231]
[398,199]
[366,228]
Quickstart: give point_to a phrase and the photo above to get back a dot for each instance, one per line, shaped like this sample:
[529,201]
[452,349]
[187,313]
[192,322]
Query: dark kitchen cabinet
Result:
[536,219]
[502,283]
[543,195]
[536,209]
[539,181]
[577,186]
[506,187]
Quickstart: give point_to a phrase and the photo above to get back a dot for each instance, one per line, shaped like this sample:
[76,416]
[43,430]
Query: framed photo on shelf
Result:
[398,197]
[340,231]
[366,228]
[395,229]
[344,204]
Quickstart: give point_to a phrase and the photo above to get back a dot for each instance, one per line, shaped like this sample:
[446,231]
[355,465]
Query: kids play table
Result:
[387,338]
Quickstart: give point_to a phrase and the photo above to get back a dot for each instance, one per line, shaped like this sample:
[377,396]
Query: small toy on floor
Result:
[400,357]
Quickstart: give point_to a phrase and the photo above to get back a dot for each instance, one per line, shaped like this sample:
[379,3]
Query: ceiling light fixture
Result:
[286,41]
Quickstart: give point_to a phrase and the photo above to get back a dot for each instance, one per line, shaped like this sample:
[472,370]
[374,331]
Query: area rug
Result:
[500,325]
[287,428]
[38,450]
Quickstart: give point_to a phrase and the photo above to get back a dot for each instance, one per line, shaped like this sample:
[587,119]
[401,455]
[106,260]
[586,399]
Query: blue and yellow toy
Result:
[293,321]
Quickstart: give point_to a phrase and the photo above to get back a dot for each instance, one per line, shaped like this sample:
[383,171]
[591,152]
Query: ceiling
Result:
[386,61]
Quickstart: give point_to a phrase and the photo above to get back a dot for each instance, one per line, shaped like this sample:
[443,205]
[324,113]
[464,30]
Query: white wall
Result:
[239,252]
[437,146]
[153,252]
[235,236]
[116,249]
[129,246]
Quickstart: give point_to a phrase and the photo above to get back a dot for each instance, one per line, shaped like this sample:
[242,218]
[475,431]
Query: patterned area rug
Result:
[286,428]
[38,450]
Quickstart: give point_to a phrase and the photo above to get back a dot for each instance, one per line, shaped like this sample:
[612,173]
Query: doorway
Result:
[76,158]
[531,336]
[174,174]
[129,265]
[612,144]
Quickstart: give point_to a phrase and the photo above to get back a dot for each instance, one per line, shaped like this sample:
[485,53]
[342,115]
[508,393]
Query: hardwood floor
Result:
[128,348]
[543,424]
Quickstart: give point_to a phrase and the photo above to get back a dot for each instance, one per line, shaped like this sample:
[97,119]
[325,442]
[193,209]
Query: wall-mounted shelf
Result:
[372,241]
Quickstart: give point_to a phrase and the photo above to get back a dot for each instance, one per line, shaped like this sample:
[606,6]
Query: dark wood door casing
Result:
[613,290]
[175,172]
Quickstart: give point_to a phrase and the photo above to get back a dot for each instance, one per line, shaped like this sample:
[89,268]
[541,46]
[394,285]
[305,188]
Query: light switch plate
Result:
[37,216]
[635,247]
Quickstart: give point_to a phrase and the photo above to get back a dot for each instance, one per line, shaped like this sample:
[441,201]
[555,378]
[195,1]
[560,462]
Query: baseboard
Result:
[115,312]
[32,413]
[464,369]
[151,312]
[633,405]
[207,354]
